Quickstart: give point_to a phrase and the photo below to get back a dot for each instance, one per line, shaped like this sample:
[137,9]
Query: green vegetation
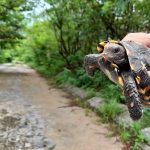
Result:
[109,111]
[11,20]
[56,41]
[133,136]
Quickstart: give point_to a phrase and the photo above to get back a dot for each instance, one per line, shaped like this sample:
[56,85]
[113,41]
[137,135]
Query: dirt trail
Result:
[68,127]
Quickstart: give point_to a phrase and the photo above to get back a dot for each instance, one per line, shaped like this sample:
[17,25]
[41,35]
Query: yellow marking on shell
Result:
[148,73]
[146,103]
[146,97]
[143,91]
[138,79]
[147,89]
[120,80]
[143,65]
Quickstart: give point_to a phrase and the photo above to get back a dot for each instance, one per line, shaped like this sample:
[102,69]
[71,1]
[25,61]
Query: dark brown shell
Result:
[139,61]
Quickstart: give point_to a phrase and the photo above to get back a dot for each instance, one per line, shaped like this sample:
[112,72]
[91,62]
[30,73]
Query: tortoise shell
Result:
[127,64]
[138,57]
[139,61]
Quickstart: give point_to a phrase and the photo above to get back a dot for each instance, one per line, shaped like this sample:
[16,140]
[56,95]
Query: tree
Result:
[79,25]
[75,26]
[11,17]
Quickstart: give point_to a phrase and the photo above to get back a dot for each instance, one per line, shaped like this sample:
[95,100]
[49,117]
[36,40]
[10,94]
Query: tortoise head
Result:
[93,62]
[115,53]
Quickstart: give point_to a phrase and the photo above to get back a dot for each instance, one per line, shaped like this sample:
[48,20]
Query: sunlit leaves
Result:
[11,17]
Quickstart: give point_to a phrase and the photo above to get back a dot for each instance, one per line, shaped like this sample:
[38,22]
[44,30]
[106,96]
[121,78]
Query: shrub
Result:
[64,77]
[83,80]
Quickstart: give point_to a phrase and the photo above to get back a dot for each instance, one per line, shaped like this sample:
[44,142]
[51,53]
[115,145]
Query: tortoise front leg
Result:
[132,96]
[91,63]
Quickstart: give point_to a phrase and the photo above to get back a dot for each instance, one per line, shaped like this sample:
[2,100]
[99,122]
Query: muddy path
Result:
[35,116]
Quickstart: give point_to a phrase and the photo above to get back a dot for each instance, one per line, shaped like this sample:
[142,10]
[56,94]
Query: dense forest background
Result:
[56,39]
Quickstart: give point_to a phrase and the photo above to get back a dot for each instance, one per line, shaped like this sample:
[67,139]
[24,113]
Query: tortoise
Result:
[127,64]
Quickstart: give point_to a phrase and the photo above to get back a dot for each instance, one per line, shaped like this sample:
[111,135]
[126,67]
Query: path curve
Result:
[67,126]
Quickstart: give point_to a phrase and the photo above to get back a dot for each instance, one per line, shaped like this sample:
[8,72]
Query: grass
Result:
[145,121]
[109,111]
[133,136]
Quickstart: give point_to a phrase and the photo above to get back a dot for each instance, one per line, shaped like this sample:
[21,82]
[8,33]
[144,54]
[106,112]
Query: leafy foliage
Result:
[56,43]
[11,17]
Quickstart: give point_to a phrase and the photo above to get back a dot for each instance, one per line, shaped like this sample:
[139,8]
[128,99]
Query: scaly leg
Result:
[132,95]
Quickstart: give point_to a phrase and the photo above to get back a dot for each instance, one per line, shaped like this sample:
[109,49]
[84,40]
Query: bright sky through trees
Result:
[41,5]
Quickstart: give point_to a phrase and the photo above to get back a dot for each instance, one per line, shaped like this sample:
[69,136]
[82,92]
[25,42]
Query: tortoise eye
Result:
[116,50]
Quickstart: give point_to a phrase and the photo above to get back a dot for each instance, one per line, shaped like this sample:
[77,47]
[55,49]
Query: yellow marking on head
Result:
[120,80]
[103,43]
[106,47]
[113,41]
[138,79]
[114,65]
[99,49]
